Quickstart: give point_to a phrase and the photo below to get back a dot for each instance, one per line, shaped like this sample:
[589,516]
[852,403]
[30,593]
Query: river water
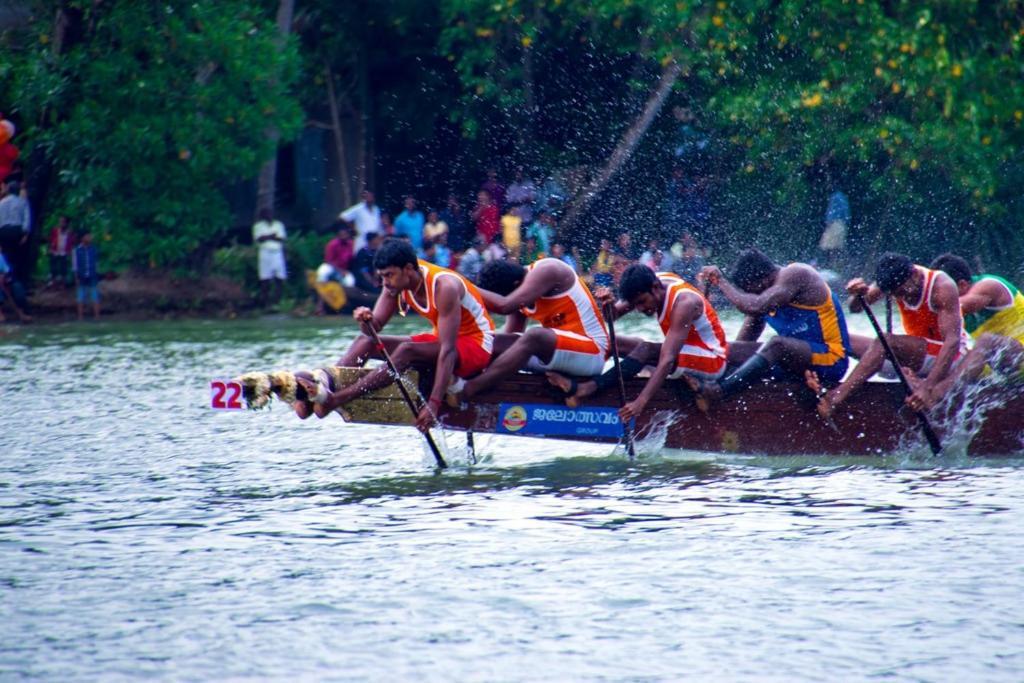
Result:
[143,535]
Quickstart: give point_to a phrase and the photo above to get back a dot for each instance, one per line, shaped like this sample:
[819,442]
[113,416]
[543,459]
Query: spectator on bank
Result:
[531,251]
[522,194]
[62,241]
[558,251]
[512,232]
[473,260]
[543,230]
[460,230]
[434,227]
[496,251]
[387,227]
[494,188]
[364,217]
[655,258]
[15,227]
[624,247]
[269,235]
[86,266]
[688,258]
[363,272]
[601,268]
[9,289]
[837,220]
[339,252]
[442,254]
[410,224]
[486,217]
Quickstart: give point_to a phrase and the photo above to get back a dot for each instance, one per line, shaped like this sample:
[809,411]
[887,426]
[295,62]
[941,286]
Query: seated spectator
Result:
[496,251]
[436,253]
[441,251]
[62,241]
[434,227]
[486,217]
[558,252]
[543,230]
[531,251]
[473,260]
[410,223]
[601,269]
[512,232]
[338,253]
[689,258]
[363,272]
[656,259]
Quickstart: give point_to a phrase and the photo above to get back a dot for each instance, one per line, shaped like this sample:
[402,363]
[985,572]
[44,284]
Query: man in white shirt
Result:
[365,218]
[269,236]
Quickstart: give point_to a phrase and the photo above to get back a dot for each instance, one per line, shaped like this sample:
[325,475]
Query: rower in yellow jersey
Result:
[993,310]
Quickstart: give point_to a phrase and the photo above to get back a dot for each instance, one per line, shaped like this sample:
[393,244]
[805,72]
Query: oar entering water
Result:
[627,430]
[926,425]
[405,394]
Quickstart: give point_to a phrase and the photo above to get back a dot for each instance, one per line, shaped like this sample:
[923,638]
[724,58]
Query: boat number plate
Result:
[226,394]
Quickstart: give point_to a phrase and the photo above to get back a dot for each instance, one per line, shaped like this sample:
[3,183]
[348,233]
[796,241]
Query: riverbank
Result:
[148,297]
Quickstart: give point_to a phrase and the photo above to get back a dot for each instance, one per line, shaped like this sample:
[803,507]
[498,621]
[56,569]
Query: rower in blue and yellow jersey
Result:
[993,310]
[811,339]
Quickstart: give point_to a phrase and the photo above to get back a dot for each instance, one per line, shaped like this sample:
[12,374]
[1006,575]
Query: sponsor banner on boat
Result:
[535,419]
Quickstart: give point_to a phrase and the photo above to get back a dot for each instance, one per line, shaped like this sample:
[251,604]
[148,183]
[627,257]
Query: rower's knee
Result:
[404,355]
[646,351]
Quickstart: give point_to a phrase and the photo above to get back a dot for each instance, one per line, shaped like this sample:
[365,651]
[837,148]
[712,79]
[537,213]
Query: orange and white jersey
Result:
[573,311]
[706,338]
[921,319]
[475,322]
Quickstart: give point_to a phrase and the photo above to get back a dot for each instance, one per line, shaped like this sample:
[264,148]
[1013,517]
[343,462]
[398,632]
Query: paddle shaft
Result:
[926,425]
[627,431]
[405,394]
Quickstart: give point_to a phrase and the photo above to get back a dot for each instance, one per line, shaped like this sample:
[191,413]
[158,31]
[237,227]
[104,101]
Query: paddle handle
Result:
[926,425]
[627,431]
[405,394]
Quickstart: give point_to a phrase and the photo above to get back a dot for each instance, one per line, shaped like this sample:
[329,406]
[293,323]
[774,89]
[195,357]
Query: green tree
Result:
[144,110]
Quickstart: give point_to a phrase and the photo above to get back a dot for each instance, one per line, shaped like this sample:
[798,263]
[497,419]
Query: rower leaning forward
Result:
[571,337]
[993,310]
[811,342]
[935,338]
[460,343]
[694,344]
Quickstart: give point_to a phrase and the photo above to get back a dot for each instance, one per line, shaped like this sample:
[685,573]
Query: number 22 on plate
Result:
[225,395]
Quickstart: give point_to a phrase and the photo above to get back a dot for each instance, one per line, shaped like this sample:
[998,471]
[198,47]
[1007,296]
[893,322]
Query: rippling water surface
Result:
[143,535]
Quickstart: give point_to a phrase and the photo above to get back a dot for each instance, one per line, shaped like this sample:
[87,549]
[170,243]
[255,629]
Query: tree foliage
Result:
[147,109]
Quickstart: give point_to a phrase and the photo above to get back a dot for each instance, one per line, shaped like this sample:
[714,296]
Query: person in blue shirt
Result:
[410,223]
[85,263]
[10,288]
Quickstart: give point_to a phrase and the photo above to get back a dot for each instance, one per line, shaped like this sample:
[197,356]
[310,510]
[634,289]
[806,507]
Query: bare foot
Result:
[814,383]
[303,409]
[573,389]
[826,406]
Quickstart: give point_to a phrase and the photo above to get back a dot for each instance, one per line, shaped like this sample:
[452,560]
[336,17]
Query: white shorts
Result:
[931,354]
[574,355]
[271,265]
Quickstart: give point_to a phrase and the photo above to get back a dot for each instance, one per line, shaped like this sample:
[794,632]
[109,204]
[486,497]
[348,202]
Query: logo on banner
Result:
[514,419]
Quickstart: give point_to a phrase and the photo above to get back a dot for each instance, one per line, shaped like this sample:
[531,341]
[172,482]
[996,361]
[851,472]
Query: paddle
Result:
[926,426]
[405,394]
[627,431]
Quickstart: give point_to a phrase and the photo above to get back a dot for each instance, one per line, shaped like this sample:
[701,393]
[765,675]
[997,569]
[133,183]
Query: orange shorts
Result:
[473,358]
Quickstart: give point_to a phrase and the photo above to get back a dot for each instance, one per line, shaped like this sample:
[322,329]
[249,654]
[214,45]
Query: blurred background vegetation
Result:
[163,125]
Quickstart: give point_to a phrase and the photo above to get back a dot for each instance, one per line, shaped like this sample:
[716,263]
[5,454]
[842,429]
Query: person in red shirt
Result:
[339,251]
[62,241]
[485,215]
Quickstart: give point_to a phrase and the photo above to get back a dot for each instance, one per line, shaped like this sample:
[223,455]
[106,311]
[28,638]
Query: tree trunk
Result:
[627,145]
[268,173]
[339,140]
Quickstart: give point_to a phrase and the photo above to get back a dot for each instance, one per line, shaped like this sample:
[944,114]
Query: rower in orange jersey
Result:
[460,344]
[571,338]
[694,343]
[935,338]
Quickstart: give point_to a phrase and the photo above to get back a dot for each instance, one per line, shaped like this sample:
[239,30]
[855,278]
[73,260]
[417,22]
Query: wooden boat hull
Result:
[776,419]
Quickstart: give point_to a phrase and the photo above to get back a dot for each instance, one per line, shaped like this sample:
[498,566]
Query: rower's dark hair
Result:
[954,266]
[636,280]
[750,268]
[501,276]
[394,252]
[892,271]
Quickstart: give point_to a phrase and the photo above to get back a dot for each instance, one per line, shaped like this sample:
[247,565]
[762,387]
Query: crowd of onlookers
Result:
[518,222]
